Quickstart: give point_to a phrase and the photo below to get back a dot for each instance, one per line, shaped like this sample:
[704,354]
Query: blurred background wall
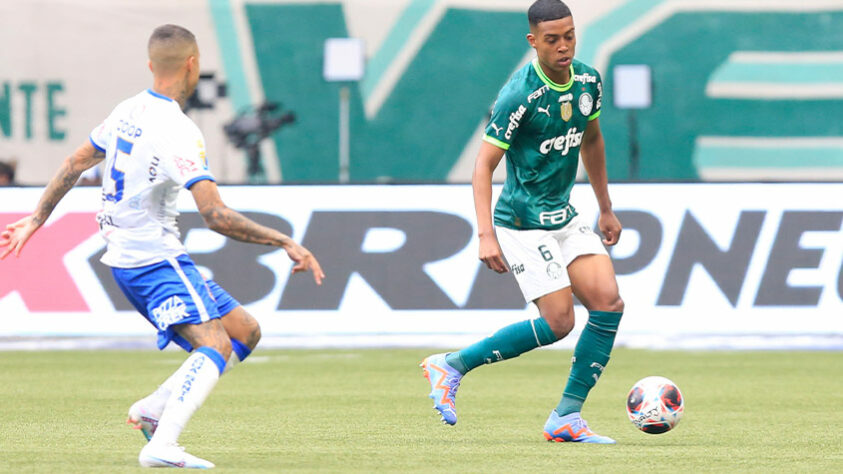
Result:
[741,90]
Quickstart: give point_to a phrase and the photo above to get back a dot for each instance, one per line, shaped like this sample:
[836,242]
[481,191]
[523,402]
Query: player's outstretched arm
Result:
[593,153]
[14,236]
[481,183]
[220,218]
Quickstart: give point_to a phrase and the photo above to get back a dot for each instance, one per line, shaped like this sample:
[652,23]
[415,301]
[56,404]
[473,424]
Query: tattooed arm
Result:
[220,218]
[15,236]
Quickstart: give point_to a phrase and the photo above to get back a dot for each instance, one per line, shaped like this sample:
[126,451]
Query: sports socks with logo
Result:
[591,355]
[197,376]
[156,401]
[508,342]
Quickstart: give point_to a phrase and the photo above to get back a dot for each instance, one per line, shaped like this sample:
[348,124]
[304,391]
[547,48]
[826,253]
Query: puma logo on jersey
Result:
[497,129]
[545,110]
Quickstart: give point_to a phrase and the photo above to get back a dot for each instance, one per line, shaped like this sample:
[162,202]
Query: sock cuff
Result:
[544,335]
[214,355]
[607,320]
[242,350]
[570,396]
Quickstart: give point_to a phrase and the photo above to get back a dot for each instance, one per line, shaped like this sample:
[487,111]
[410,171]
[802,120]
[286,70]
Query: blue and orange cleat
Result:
[444,382]
[571,428]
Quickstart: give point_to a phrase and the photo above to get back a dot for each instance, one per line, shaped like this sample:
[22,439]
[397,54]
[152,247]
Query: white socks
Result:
[189,386]
[157,400]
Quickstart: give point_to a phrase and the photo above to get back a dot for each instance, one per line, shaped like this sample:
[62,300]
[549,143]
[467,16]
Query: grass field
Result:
[367,411]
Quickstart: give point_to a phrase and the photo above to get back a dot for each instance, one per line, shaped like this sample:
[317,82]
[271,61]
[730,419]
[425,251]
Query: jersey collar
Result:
[551,84]
[155,94]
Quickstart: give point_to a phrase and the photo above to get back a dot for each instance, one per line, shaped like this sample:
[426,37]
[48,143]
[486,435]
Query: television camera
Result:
[251,126]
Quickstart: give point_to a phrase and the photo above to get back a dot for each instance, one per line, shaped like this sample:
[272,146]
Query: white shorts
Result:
[539,258]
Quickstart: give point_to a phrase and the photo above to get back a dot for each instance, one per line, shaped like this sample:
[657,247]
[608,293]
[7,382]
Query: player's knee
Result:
[560,322]
[616,305]
[611,303]
[254,336]
[250,331]
[563,329]
[223,346]
[219,341]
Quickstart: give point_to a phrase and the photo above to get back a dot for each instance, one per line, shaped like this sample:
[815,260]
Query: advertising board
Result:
[697,264]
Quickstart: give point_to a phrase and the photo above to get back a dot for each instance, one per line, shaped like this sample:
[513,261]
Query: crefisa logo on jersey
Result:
[563,143]
[514,120]
[585,78]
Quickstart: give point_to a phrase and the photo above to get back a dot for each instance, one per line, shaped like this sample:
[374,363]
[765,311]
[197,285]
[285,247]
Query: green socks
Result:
[510,341]
[590,355]
[590,358]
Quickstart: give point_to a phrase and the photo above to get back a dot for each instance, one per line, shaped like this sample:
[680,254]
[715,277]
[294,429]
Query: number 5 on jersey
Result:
[116,173]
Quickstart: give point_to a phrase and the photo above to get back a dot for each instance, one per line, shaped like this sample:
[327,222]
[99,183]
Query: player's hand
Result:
[304,261]
[491,255]
[610,227]
[15,236]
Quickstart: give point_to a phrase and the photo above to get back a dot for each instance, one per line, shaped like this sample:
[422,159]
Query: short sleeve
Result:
[184,161]
[598,104]
[100,135]
[507,115]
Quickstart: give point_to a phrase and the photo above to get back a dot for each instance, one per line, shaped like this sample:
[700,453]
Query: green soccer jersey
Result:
[541,124]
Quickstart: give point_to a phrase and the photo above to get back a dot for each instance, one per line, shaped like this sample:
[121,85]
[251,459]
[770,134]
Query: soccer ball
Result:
[655,405]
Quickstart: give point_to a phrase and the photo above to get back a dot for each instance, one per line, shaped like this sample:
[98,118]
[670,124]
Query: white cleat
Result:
[143,419]
[170,455]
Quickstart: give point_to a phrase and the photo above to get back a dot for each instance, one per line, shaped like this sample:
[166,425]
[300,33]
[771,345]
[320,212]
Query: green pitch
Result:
[368,411]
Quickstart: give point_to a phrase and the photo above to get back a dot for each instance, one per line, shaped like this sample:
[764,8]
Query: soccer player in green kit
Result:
[544,117]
